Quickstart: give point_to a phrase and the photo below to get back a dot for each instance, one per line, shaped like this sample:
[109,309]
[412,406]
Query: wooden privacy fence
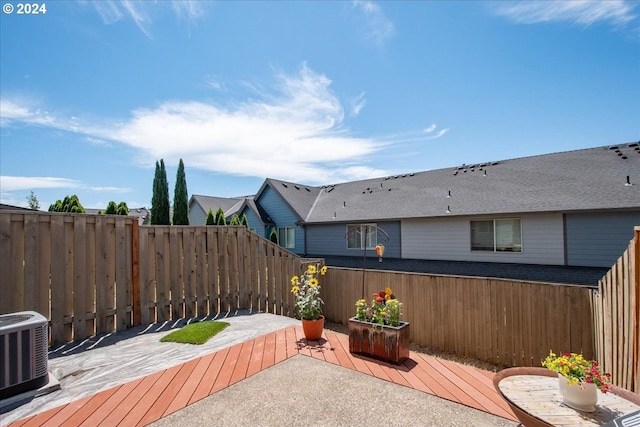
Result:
[504,322]
[94,274]
[76,270]
[198,271]
[616,309]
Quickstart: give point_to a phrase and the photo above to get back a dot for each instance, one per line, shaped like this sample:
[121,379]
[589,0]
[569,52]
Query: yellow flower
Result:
[323,270]
[294,290]
[388,291]
[311,269]
[387,296]
[313,282]
[294,280]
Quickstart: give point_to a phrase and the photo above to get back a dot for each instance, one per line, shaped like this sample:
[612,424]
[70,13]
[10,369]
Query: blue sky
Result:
[315,92]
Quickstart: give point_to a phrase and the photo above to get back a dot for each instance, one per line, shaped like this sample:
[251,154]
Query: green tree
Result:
[160,198]
[68,204]
[235,220]
[111,209]
[244,221]
[211,219]
[274,235]
[220,219]
[180,198]
[32,201]
[123,209]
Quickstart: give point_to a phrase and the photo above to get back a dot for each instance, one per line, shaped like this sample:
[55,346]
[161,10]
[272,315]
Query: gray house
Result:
[574,208]
[200,205]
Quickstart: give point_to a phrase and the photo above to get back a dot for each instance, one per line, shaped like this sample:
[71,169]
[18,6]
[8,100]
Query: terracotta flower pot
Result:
[313,328]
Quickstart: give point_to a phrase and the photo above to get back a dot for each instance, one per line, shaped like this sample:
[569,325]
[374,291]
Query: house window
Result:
[359,235]
[497,235]
[287,237]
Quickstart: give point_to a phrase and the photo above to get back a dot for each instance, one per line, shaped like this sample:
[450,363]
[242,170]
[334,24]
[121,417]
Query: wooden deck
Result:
[150,398]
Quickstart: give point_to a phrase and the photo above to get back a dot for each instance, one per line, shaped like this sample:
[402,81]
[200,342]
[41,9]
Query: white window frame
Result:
[289,241]
[512,246]
[372,234]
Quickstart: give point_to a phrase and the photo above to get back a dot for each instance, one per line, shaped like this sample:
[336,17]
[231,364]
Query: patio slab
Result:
[303,391]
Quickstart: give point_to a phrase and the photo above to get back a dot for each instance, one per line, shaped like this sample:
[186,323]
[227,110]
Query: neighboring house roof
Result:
[578,180]
[19,208]
[230,205]
[588,179]
[300,198]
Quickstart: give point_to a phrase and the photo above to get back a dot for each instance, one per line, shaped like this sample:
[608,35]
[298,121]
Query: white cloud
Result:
[431,129]
[583,12]
[293,132]
[357,104]
[438,134]
[17,183]
[140,11]
[379,28]
[111,189]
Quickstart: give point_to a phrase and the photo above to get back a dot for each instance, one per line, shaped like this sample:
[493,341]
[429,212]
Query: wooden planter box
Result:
[387,343]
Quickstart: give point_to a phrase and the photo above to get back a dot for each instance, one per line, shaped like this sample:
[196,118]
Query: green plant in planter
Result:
[385,309]
[307,292]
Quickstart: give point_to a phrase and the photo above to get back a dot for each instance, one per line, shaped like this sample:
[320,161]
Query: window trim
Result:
[363,236]
[495,230]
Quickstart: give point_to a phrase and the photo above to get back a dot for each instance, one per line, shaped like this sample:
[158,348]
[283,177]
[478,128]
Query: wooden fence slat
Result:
[122,274]
[57,281]
[189,271]
[200,236]
[79,277]
[7,284]
[44,259]
[16,268]
[31,262]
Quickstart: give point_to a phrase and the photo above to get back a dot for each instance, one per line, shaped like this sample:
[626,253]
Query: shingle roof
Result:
[299,197]
[229,205]
[588,179]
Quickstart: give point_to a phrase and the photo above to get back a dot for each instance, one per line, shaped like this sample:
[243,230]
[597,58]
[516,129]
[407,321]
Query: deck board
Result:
[149,398]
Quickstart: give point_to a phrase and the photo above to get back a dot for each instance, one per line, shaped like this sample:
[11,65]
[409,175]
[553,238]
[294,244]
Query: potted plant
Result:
[307,293]
[579,379]
[377,331]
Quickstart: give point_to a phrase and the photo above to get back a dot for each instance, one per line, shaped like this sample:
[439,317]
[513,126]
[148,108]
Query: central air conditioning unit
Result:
[23,352]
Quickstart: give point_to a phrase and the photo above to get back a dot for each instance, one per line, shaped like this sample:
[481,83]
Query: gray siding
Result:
[280,213]
[450,239]
[329,239]
[197,216]
[598,239]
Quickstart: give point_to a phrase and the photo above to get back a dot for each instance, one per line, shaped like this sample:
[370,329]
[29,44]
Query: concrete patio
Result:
[277,378]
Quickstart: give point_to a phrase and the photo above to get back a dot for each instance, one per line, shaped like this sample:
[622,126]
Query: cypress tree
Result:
[274,235]
[244,220]
[180,198]
[220,219]
[160,198]
[211,220]
[165,218]
[235,220]
[155,198]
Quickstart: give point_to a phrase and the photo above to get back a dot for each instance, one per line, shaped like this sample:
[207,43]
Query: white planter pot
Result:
[576,397]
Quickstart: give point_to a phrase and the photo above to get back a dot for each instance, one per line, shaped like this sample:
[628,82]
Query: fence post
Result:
[636,284]
[135,273]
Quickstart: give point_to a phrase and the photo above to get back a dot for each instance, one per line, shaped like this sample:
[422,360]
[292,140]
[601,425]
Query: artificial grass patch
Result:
[195,333]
